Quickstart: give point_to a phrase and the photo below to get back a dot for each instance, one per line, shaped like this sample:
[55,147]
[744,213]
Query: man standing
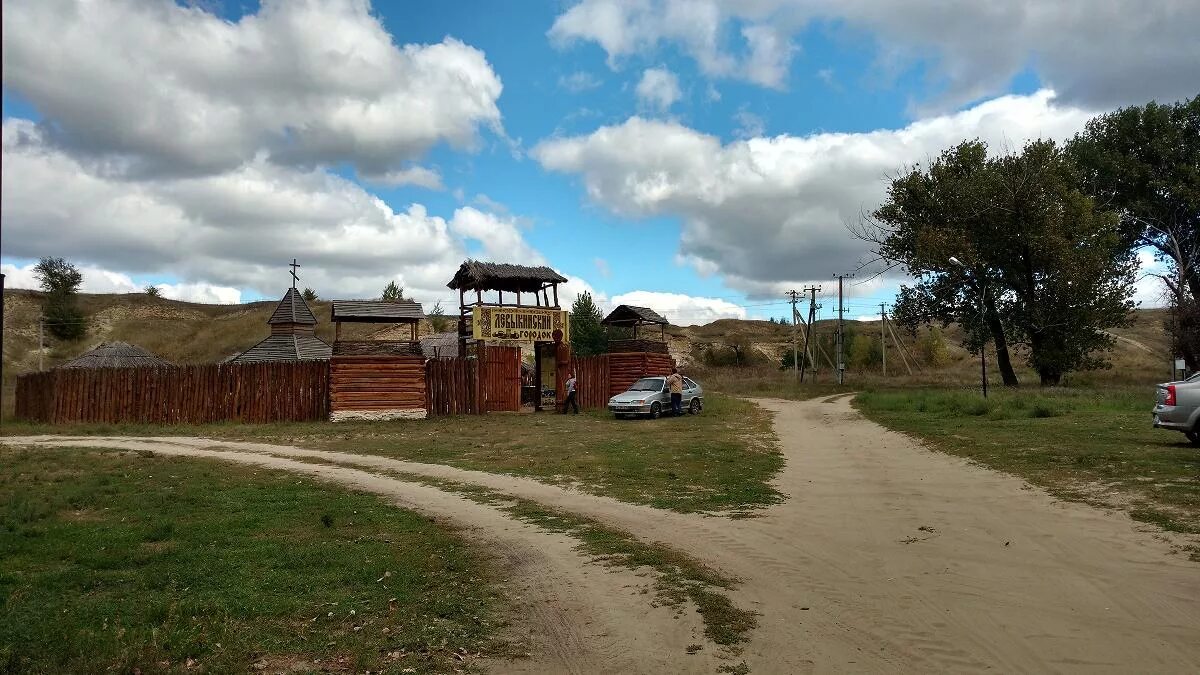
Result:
[675,382]
[570,402]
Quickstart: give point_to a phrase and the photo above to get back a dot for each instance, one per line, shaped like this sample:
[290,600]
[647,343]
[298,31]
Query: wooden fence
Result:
[249,392]
[501,379]
[591,380]
[376,383]
[450,386]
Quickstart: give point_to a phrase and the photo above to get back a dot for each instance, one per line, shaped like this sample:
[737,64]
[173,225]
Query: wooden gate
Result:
[502,379]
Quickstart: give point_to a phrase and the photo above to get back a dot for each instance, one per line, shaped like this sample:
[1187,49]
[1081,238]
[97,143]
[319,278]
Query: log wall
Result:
[244,392]
[376,386]
[626,368]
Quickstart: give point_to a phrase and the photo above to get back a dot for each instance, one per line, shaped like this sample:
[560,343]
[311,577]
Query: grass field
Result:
[1094,445]
[131,562]
[720,460]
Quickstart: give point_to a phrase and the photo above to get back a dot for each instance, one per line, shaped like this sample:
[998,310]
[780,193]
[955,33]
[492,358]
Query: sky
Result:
[698,157]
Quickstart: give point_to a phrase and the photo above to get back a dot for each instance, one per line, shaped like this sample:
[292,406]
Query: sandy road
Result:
[888,558]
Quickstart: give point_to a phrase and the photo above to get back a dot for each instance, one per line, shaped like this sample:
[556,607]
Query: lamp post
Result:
[983,322]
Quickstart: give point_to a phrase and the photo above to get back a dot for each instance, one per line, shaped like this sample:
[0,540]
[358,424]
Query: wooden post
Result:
[480,376]
[556,294]
[414,331]
[500,295]
[337,331]
[518,298]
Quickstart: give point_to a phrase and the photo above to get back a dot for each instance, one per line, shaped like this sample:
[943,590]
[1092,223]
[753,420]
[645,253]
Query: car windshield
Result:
[1193,378]
[648,384]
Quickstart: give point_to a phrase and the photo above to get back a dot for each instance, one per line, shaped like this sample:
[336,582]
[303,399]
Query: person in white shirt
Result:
[571,401]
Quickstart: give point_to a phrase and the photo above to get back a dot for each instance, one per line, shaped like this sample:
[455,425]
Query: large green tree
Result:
[392,292]
[1144,162]
[60,280]
[1039,263]
[587,335]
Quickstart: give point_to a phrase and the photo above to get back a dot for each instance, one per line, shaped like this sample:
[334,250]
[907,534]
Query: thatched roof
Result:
[285,348]
[117,355]
[440,345]
[629,315]
[486,276]
[292,309]
[376,311]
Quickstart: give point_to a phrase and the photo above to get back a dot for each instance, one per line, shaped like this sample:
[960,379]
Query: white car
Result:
[650,397]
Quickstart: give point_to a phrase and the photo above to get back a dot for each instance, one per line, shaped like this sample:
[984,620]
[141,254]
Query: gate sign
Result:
[519,324]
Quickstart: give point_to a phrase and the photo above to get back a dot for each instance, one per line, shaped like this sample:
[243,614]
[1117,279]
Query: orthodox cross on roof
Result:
[295,278]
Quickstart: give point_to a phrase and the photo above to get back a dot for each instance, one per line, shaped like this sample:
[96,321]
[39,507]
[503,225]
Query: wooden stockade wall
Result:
[625,369]
[450,386]
[376,384]
[591,375]
[244,392]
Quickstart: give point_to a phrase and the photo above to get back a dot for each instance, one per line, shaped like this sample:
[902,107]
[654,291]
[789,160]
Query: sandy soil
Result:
[885,558]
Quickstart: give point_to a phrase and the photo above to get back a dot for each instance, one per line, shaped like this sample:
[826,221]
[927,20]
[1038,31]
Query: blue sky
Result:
[699,157]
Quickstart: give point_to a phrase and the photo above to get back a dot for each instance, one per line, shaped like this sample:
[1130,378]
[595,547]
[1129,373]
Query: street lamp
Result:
[983,322]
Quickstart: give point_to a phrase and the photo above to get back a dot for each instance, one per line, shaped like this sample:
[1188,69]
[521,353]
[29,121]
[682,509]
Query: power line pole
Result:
[841,362]
[882,339]
[795,355]
[812,315]
[41,340]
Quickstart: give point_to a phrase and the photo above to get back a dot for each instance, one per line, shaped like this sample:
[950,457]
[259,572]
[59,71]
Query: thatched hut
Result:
[117,355]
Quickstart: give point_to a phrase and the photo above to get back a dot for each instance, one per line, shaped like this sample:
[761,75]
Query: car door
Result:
[689,391]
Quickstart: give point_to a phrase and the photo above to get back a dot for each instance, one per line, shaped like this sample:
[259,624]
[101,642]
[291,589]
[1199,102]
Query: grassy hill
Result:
[185,332]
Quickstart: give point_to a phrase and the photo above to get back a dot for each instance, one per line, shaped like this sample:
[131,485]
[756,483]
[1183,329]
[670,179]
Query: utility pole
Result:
[840,359]
[882,339]
[41,340]
[795,355]
[812,316]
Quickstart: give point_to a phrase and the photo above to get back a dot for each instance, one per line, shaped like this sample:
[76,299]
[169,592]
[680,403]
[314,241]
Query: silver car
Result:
[649,396]
[1178,407]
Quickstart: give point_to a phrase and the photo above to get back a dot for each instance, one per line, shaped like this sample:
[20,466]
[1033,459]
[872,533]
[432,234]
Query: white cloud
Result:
[579,81]
[770,56]
[499,236]
[765,211]
[748,124]
[658,89]
[1099,54]
[602,267]
[207,293]
[682,310]
[413,175]
[235,230]
[97,280]
[157,87]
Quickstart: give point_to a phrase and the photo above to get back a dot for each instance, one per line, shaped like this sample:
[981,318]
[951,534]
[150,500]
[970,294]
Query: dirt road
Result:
[885,558]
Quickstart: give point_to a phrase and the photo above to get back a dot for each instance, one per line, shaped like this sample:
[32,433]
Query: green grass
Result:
[720,460]
[1095,445]
[133,562]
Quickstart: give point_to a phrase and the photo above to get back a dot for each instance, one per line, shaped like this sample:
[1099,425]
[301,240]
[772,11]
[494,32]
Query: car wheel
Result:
[1194,437]
[655,410]
[694,407]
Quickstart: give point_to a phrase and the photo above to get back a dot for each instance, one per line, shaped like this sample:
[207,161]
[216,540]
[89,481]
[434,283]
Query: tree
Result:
[152,291]
[438,319]
[932,348]
[1144,162]
[60,280]
[864,352]
[309,295]
[1041,265]
[392,292]
[587,335]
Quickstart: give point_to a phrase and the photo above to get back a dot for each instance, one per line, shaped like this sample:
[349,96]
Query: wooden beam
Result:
[337,331]
[556,294]
[518,298]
